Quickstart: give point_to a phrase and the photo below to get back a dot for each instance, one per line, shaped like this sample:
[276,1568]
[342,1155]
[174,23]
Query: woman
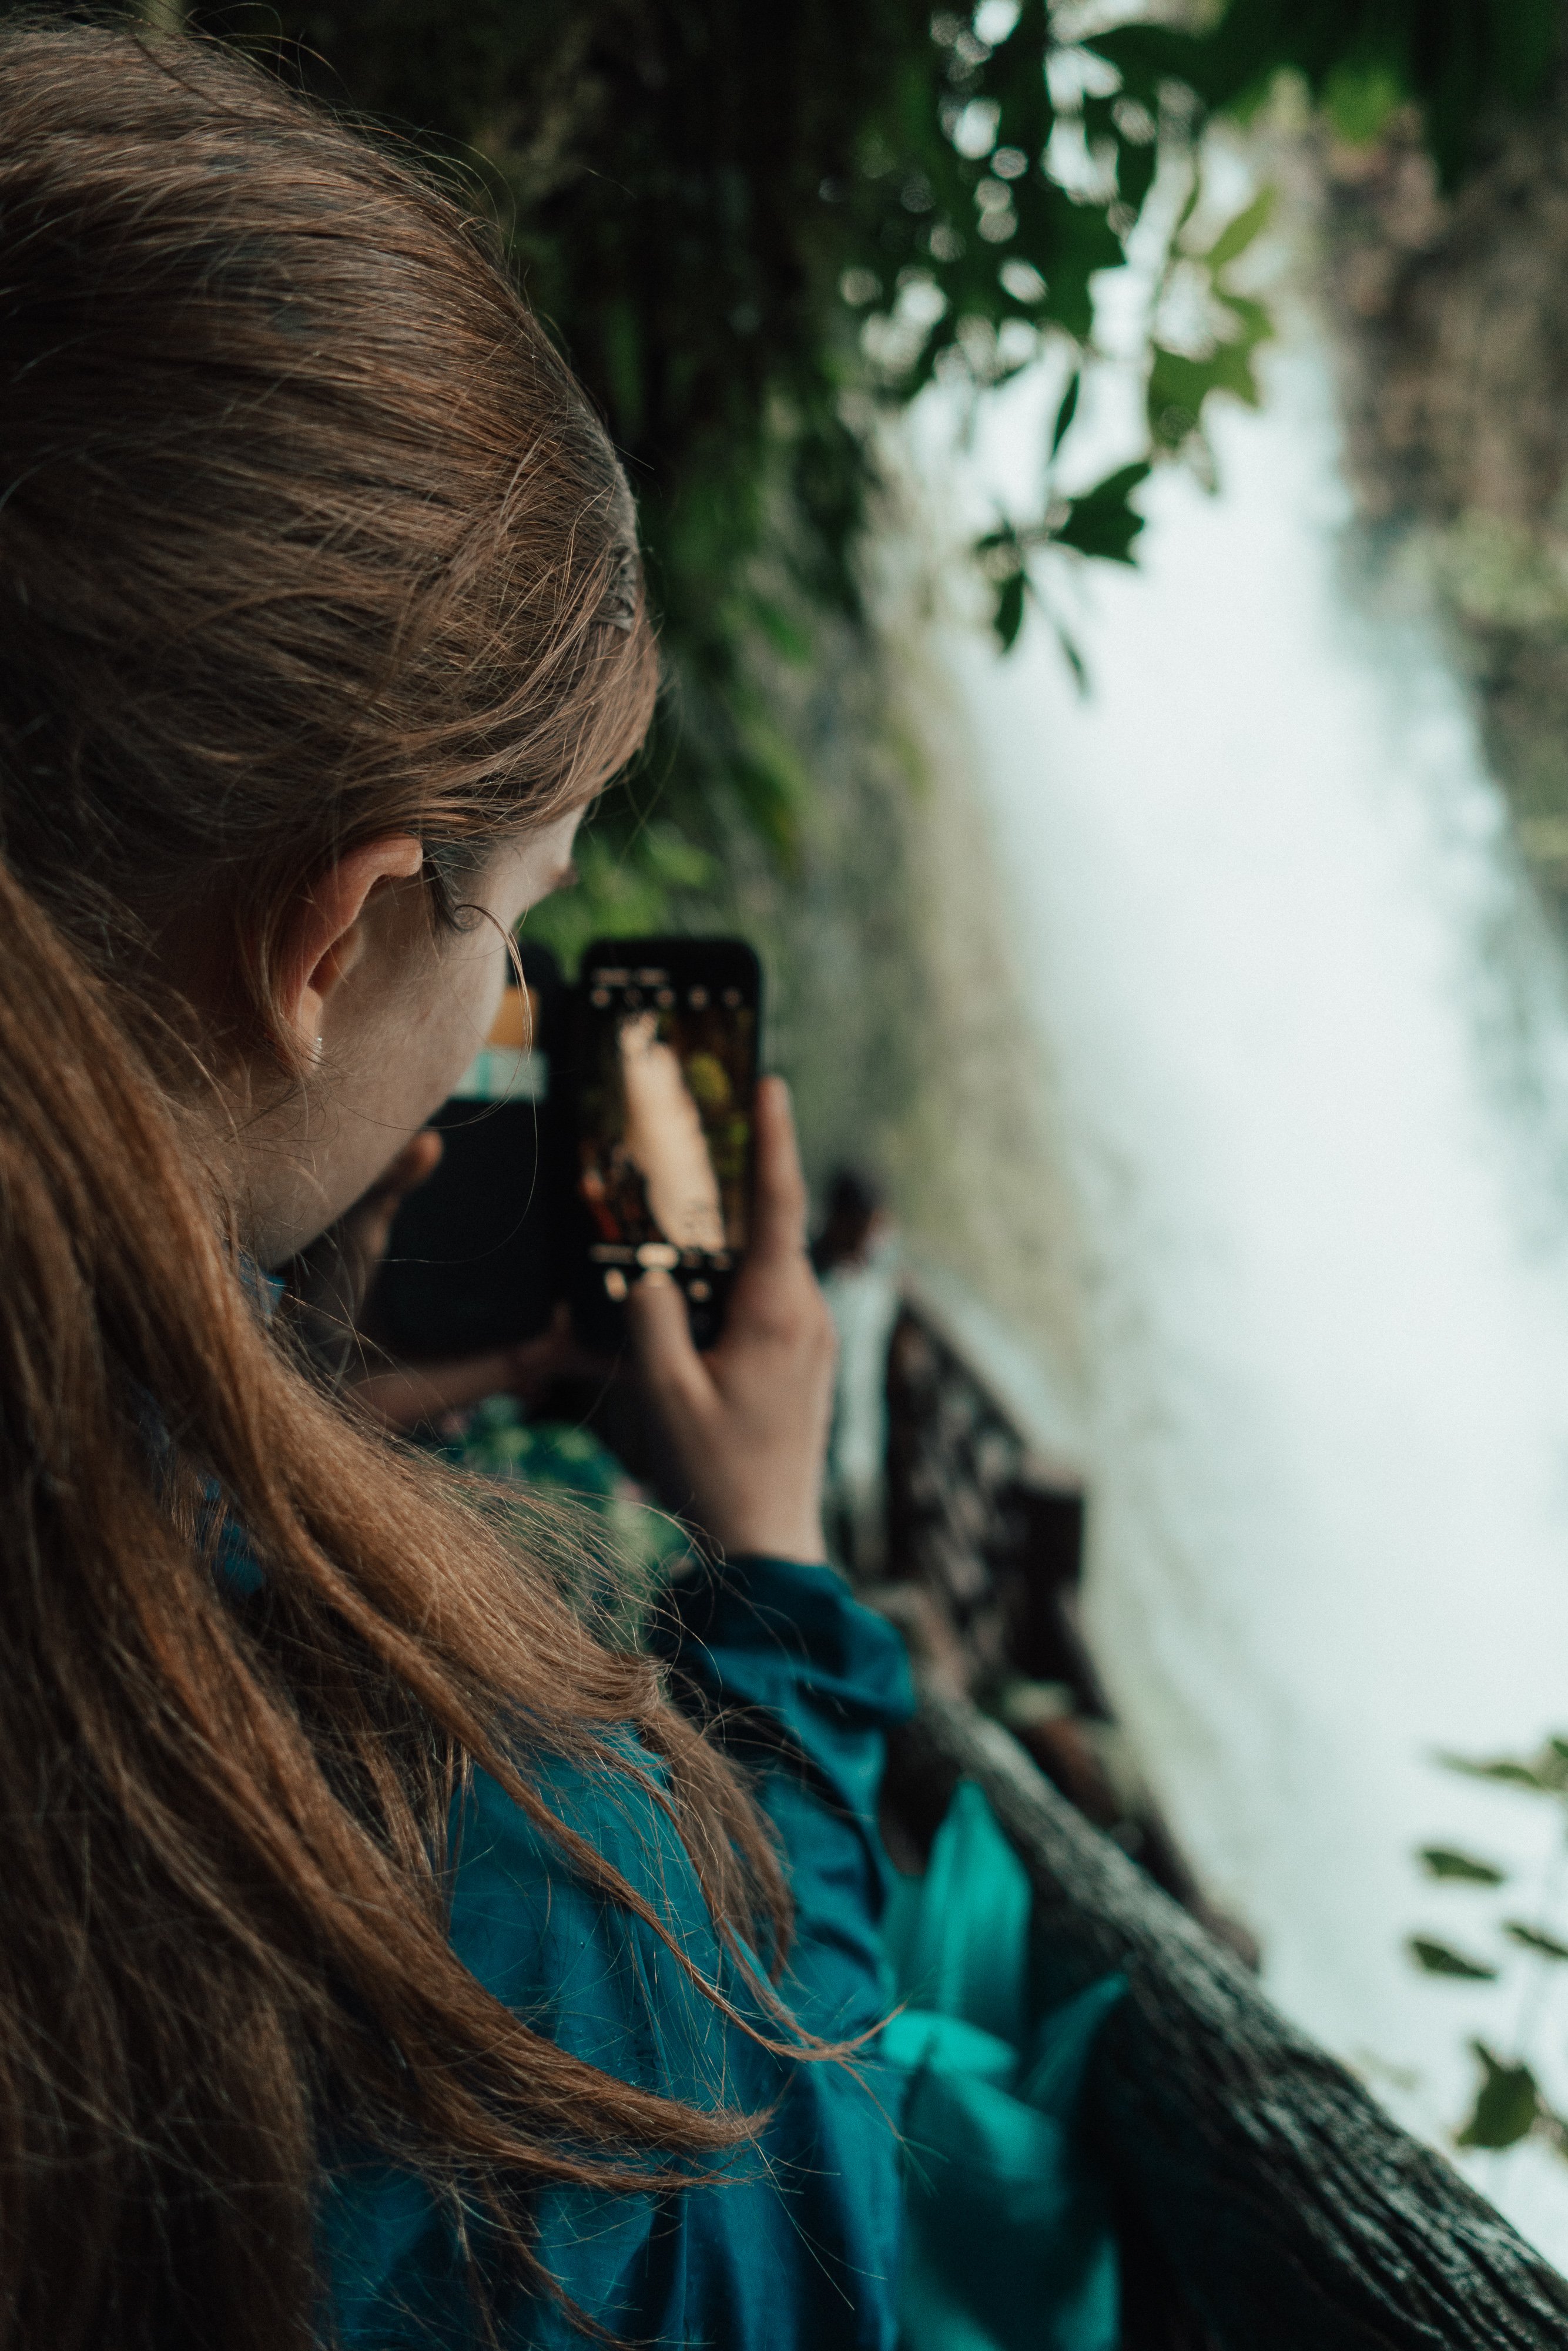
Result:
[383,1959]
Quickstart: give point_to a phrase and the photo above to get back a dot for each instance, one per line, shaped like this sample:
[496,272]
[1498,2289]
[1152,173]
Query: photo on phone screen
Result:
[665,1069]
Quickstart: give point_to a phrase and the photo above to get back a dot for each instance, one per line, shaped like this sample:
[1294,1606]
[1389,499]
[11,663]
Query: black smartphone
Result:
[663,1062]
[475,1260]
[602,1129]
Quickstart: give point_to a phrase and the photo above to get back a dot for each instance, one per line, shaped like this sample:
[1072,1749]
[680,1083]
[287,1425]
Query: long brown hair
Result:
[306,535]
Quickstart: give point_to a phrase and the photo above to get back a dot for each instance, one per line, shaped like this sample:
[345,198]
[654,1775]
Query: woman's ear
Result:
[323,932]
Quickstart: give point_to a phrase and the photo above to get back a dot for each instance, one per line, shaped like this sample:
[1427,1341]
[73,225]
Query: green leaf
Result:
[1066,411]
[1236,236]
[1081,243]
[1507,2104]
[1546,1776]
[1189,205]
[1440,1959]
[1178,386]
[1178,389]
[1443,1861]
[1360,99]
[1254,325]
[1007,618]
[785,631]
[1073,657]
[1101,522]
[1536,1939]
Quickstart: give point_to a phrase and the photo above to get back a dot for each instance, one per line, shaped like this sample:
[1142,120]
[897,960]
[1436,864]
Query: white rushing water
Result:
[1308,1039]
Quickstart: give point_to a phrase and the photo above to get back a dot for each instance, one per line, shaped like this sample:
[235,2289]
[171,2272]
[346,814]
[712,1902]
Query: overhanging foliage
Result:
[754,227]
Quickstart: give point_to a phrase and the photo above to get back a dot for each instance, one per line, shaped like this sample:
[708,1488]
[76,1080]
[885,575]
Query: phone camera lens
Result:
[732,999]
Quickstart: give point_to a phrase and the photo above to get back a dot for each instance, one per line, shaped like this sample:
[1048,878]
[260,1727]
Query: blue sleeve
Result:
[806,1684]
[796,2246]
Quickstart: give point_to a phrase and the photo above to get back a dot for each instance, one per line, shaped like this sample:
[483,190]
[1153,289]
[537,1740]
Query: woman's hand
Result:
[748,1421]
[415,1395]
[330,1281]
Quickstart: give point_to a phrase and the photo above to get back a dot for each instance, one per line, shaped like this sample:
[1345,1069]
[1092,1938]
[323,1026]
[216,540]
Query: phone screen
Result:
[665,1072]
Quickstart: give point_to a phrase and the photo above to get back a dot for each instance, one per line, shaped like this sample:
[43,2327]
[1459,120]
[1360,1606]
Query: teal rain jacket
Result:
[792,2243]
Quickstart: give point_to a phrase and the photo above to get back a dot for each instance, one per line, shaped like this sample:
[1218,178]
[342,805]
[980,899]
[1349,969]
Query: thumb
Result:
[376,1209]
[413,1165]
[662,1333]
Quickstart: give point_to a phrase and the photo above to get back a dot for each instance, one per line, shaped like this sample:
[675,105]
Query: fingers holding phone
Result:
[636,1164]
[424,1394]
[748,1421]
[329,1281]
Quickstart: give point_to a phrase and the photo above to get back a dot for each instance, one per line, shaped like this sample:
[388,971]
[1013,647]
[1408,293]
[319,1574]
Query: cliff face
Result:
[1455,320]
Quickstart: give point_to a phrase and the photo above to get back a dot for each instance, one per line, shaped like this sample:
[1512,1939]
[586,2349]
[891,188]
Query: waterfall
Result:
[1307,1042]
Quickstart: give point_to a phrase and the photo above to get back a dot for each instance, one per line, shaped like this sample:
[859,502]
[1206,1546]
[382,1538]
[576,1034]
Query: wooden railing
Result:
[1265,2201]
[986,1526]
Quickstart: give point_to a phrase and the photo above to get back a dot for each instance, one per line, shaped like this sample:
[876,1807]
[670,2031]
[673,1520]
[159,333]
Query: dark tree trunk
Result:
[1268,2203]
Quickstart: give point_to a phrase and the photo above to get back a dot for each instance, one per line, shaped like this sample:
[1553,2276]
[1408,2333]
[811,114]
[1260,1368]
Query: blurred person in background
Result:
[856,1256]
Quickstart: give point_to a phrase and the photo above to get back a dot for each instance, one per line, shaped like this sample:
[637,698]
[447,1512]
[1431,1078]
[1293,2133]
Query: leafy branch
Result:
[1102,524]
[1509,2104]
[755,231]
